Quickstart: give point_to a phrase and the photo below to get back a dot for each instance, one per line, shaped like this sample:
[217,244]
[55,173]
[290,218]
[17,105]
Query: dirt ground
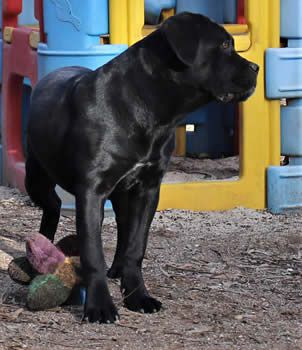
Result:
[228,280]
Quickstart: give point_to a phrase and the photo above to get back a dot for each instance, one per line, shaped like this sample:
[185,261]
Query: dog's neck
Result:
[160,71]
[162,68]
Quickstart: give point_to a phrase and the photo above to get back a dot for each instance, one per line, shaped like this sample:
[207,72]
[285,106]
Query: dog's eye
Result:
[226,44]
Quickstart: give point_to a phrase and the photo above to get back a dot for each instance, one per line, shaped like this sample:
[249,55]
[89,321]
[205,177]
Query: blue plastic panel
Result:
[1,53]
[0,101]
[297,42]
[1,179]
[26,93]
[214,130]
[291,129]
[75,24]
[28,13]
[68,202]
[49,60]
[26,81]
[284,188]
[230,11]
[213,8]
[214,123]
[201,115]
[1,16]
[284,73]
[1,165]
[153,9]
[295,161]
[291,18]
[222,11]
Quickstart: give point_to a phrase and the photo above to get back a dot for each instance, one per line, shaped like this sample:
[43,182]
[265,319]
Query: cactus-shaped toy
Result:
[52,271]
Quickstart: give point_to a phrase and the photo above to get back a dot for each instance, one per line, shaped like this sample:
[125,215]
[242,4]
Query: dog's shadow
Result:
[11,292]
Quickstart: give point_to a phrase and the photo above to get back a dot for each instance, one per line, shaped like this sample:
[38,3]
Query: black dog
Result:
[109,133]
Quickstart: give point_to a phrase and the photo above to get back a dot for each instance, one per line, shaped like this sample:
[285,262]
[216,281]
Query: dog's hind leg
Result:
[41,190]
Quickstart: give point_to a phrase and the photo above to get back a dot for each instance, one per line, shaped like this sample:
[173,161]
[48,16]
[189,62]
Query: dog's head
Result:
[209,59]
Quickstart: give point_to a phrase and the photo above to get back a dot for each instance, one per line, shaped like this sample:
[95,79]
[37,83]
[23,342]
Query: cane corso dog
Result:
[109,134]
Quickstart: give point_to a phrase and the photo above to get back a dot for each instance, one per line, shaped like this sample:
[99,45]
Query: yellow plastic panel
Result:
[136,20]
[236,28]
[240,33]
[148,29]
[127,25]
[260,132]
[8,34]
[180,141]
[118,21]
[126,18]
[34,39]
[242,41]
[166,13]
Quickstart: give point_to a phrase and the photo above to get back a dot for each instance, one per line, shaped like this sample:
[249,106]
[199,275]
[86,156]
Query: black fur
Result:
[109,133]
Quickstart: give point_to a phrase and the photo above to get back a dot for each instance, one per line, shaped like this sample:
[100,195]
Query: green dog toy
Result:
[52,271]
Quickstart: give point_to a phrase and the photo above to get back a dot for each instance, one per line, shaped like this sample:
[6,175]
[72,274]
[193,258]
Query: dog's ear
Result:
[182,32]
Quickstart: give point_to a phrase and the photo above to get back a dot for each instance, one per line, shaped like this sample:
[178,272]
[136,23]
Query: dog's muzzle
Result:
[237,97]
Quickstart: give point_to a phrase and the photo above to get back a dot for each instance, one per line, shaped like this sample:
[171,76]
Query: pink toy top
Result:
[42,254]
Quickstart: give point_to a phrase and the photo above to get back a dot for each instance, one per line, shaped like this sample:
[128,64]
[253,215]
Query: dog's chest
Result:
[151,169]
[147,173]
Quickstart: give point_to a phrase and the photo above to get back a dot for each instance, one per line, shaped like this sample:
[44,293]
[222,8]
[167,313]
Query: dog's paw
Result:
[99,306]
[115,271]
[101,313]
[142,303]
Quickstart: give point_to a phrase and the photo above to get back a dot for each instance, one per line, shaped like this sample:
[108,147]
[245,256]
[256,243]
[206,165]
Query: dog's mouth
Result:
[225,98]
[236,97]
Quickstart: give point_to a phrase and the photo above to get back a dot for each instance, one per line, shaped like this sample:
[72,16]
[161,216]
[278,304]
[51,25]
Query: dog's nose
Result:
[254,67]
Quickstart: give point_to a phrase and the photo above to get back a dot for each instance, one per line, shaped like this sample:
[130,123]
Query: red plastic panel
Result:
[40,18]
[19,61]
[10,11]
[240,12]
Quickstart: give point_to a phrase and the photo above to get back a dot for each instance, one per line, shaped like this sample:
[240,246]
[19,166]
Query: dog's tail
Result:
[39,187]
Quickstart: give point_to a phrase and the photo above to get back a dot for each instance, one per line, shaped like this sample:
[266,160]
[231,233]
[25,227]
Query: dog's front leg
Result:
[89,217]
[142,203]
